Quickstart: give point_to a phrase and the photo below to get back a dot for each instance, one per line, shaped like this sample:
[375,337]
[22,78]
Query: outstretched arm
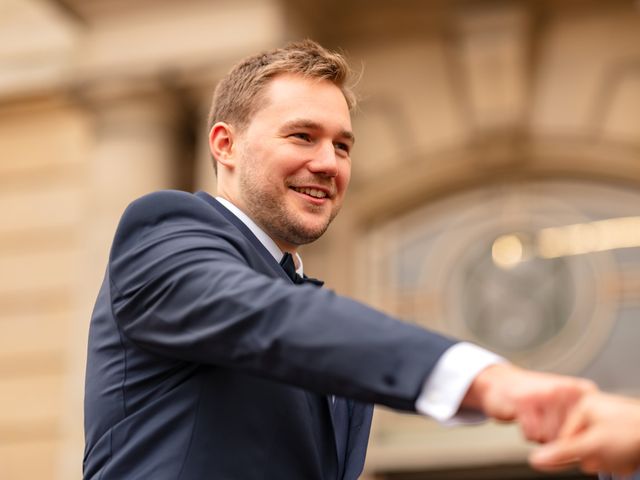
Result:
[601,434]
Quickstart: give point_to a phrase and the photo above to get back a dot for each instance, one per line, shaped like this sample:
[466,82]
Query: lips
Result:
[312,192]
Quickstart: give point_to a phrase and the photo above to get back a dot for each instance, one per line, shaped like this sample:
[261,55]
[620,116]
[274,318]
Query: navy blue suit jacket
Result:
[206,362]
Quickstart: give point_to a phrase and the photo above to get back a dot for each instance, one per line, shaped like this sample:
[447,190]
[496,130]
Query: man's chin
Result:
[309,236]
[306,233]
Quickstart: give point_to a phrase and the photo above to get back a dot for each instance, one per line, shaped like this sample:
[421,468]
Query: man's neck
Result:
[269,243]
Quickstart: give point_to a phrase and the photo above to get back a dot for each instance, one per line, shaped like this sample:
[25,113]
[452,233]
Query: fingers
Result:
[550,424]
[576,421]
[532,424]
[561,454]
[543,408]
[598,435]
[586,451]
[540,424]
[566,418]
[528,422]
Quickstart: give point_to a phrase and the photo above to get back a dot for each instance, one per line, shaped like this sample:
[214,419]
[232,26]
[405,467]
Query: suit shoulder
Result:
[171,225]
[165,207]
[165,202]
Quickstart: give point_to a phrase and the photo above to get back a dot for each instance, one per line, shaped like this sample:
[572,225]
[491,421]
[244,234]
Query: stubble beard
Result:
[271,213]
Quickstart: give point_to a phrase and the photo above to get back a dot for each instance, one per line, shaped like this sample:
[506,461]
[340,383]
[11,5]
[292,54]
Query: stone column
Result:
[135,150]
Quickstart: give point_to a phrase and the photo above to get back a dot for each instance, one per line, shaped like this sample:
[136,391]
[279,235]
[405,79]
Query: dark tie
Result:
[339,406]
[289,266]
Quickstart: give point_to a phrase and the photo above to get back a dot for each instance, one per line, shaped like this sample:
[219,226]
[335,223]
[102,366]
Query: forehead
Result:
[290,96]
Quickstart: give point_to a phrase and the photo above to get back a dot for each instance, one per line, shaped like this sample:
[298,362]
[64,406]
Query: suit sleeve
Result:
[181,288]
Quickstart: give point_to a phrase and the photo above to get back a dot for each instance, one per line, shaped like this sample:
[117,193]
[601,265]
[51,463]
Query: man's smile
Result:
[312,192]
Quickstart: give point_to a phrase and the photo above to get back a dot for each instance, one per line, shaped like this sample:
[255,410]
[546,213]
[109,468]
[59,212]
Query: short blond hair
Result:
[238,95]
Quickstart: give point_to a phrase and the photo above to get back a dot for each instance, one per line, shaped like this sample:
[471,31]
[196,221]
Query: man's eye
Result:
[302,136]
[342,146]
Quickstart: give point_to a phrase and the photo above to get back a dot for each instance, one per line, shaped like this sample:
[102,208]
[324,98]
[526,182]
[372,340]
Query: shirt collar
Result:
[260,234]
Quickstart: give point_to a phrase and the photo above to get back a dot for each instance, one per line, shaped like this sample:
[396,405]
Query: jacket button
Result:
[389,379]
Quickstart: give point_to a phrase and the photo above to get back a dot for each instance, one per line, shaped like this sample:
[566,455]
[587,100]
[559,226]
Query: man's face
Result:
[293,159]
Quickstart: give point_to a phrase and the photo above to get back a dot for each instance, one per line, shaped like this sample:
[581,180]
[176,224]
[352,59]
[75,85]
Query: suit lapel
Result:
[245,231]
[358,439]
[339,408]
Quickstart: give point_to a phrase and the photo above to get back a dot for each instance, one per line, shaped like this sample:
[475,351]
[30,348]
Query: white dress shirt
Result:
[444,389]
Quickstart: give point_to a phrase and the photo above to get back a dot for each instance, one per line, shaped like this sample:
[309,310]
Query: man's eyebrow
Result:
[311,125]
[348,134]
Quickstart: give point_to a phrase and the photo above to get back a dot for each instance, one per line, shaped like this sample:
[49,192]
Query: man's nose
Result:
[325,160]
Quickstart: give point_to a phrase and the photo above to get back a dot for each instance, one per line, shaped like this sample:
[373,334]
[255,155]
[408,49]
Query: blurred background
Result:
[495,192]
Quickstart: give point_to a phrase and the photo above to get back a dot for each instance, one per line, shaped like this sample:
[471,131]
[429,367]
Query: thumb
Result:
[558,455]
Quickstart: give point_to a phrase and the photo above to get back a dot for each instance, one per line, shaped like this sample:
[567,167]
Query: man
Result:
[212,356]
[602,433]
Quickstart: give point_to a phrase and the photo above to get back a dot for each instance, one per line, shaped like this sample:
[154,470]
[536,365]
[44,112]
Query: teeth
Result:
[311,191]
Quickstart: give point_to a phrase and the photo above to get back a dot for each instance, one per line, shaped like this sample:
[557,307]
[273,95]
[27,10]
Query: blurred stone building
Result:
[495,195]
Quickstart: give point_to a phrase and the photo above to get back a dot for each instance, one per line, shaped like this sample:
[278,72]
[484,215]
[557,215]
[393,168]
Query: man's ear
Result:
[221,144]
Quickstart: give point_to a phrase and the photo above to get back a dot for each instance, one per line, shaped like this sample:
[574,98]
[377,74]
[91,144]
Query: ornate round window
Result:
[545,273]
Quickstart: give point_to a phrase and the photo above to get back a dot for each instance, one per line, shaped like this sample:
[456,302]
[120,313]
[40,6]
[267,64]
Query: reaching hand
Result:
[602,434]
[539,402]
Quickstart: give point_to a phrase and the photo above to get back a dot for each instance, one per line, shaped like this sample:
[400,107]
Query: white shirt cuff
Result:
[444,390]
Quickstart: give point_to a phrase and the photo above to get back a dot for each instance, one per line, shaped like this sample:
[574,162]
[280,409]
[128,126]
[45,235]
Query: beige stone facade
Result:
[470,110]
